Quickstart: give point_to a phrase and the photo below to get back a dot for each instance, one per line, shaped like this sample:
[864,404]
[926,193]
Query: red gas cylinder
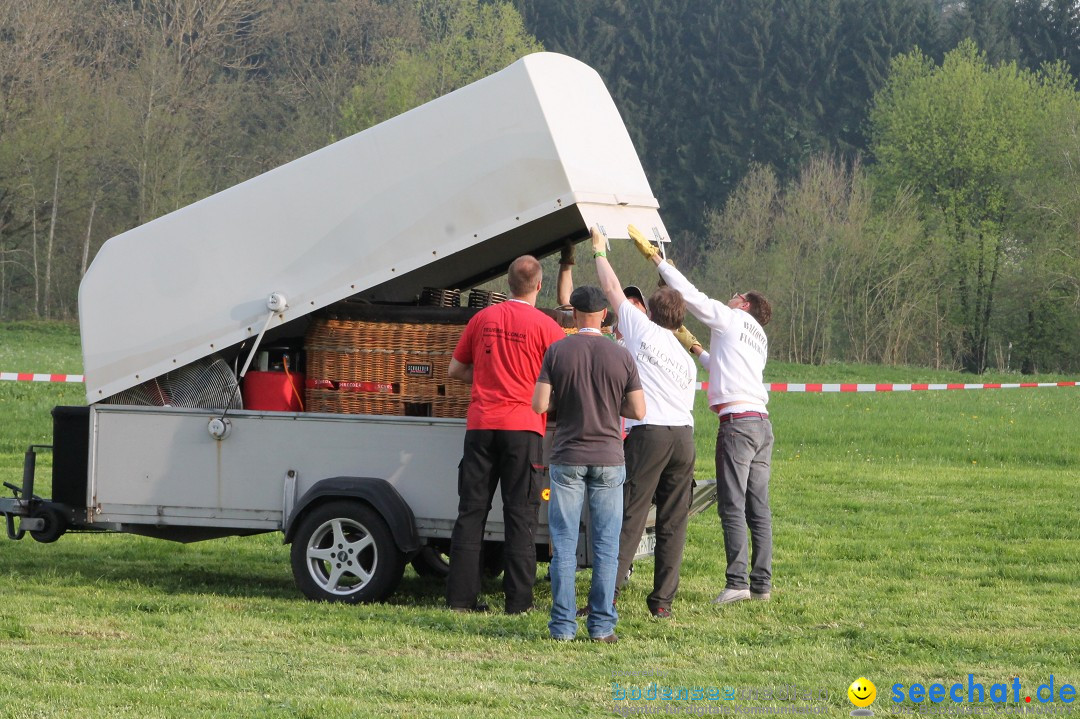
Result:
[275,391]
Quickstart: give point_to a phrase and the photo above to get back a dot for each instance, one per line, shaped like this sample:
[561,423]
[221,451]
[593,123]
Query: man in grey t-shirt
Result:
[590,381]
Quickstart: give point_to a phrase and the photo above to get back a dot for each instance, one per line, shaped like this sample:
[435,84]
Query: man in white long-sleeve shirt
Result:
[738,350]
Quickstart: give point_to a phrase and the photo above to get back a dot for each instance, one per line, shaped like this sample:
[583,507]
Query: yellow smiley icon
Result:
[862,692]
[545,495]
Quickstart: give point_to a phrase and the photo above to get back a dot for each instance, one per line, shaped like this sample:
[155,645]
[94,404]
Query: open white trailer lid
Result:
[445,195]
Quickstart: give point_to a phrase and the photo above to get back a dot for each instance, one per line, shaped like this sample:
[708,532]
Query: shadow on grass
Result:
[250,567]
[88,561]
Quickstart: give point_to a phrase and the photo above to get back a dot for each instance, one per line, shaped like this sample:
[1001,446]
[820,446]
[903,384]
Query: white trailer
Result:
[171,312]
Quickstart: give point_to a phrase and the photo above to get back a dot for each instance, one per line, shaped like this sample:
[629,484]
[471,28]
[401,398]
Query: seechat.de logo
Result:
[862,694]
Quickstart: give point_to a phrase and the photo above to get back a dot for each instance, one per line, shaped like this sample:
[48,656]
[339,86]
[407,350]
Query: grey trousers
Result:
[660,466]
[743,455]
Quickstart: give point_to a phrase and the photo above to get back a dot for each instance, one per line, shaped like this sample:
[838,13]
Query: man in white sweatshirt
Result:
[738,350]
[660,446]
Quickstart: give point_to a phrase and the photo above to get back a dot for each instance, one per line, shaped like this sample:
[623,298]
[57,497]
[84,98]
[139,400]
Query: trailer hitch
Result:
[26,524]
[25,499]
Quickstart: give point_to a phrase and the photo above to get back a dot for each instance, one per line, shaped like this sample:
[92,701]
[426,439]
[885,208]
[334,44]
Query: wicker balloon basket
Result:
[387,361]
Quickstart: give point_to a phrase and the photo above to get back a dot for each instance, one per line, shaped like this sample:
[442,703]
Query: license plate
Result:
[647,546]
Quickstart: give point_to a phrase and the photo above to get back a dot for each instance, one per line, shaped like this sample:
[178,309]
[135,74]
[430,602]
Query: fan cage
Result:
[207,383]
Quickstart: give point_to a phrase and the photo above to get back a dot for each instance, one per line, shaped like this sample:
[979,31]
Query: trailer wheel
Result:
[55,525]
[433,562]
[344,552]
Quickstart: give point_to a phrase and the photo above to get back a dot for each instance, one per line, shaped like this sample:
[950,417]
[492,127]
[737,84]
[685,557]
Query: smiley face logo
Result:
[546,494]
[862,692]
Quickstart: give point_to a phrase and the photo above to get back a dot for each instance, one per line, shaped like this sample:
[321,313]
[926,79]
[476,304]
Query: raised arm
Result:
[564,284]
[609,282]
[715,315]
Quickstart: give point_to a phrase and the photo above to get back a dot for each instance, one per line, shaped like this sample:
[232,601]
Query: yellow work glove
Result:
[599,242]
[686,339]
[567,256]
[643,246]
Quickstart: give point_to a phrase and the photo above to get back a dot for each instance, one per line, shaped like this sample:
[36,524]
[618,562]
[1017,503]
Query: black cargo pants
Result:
[513,460]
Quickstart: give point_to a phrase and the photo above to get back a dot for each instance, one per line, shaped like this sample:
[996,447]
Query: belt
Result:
[742,415]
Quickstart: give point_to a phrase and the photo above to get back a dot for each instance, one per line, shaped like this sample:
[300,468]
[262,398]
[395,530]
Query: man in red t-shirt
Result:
[500,354]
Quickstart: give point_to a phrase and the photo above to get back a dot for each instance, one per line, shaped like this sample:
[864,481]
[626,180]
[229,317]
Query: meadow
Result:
[920,537]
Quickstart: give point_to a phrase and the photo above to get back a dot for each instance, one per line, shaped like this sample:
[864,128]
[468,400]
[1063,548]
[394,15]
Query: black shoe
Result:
[661,612]
[479,607]
[526,610]
[609,639]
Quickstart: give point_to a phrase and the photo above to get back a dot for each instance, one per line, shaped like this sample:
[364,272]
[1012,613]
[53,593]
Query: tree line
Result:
[898,174]
[961,246]
[115,112]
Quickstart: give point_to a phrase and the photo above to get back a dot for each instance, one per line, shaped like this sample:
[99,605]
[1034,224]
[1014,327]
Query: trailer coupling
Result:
[35,515]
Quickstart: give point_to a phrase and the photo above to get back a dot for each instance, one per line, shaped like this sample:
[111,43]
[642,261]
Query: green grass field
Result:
[919,537]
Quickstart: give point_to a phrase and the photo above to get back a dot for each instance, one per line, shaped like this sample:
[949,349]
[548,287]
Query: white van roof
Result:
[445,195]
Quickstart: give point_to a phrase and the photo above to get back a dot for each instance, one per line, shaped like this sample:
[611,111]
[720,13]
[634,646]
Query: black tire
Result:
[343,552]
[55,525]
[432,562]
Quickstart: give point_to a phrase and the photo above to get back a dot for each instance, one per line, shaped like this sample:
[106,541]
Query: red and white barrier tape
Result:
[774,387]
[28,377]
[787,387]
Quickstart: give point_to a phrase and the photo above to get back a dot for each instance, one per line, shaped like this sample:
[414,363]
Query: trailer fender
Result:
[379,493]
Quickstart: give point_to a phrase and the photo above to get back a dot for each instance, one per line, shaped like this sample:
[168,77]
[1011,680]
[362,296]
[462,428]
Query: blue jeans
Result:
[569,484]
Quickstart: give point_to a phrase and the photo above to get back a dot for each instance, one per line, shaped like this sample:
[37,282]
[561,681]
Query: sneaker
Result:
[609,639]
[661,612]
[760,596]
[730,595]
[479,607]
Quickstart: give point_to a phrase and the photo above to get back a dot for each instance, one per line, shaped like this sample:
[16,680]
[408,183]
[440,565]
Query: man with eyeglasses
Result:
[738,350]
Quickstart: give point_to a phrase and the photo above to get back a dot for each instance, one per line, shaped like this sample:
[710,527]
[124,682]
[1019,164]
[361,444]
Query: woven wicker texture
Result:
[373,367]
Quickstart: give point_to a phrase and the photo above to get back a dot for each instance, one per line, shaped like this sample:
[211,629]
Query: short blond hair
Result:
[524,275]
